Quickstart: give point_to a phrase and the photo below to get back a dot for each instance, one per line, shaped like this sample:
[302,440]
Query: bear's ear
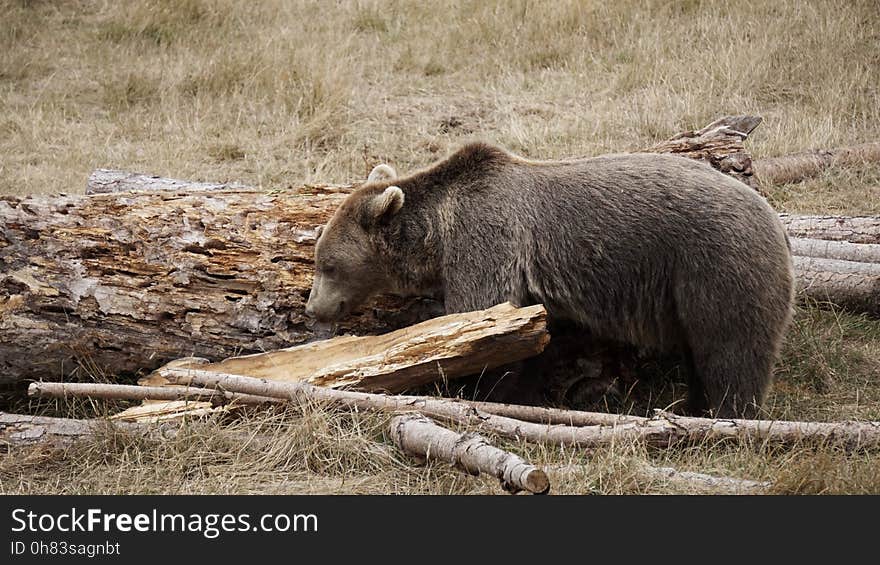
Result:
[318,231]
[385,205]
[382,172]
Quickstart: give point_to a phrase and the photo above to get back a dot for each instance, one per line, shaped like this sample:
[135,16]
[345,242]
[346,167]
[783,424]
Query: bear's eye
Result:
[328,270]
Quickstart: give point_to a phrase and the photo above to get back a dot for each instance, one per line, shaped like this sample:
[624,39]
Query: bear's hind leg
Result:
[697,404]
[734,375]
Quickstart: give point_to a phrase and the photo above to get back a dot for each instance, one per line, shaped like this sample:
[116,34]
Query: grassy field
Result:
[275,93]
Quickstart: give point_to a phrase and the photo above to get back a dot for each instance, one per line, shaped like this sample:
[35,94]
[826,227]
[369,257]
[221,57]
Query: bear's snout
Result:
[324,310]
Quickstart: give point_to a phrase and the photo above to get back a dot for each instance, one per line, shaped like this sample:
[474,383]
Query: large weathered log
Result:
[800,166]
[855,229]
[131,281]
[849,284]
[447,347]
[419,436]
[663,430]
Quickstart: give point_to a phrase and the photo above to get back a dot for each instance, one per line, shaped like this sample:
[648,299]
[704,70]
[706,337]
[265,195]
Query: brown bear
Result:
[657,251]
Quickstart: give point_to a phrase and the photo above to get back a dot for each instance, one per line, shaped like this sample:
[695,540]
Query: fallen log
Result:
[552,416]
[447,347]
[851,433]
[720,144]
[131,281]
[132,392]
[843,250]
[801,166]
[690,481]
[703,482]
[849,284]
[22,430]
[663,430]
[854,229]
[417,435]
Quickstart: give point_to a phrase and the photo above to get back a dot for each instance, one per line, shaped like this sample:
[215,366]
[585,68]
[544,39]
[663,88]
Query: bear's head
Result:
[351,262]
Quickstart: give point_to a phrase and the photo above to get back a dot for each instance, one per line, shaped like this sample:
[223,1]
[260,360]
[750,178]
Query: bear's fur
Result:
[656,251]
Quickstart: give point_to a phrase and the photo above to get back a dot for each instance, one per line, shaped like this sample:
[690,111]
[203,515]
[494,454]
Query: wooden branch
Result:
[854,229]
[131,392]
[552,416]
[843,250]
[848,284]
[447,347]
[801,166]
[662,430]
[419,436]
[864,434]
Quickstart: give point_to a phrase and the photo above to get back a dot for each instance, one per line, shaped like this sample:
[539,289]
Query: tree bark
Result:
[447,347]
[663,430]
[419,436]
[801,166]
[849,284]
[854,229]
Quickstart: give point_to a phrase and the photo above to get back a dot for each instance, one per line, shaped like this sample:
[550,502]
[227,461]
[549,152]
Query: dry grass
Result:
[276,93]
[273,93]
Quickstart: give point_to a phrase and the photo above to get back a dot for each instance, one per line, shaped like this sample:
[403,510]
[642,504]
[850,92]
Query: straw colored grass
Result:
[276,93]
